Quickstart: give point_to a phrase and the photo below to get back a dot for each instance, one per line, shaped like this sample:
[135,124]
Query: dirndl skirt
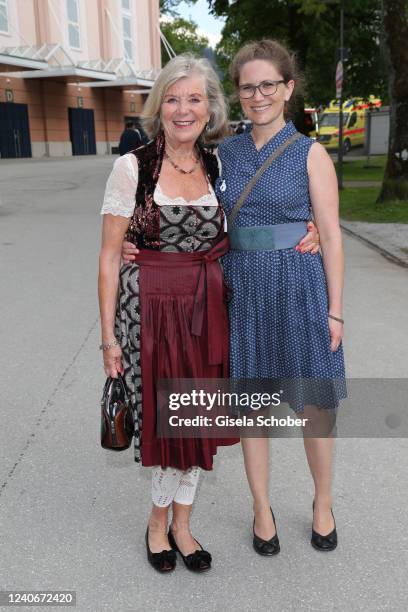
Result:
[181,332]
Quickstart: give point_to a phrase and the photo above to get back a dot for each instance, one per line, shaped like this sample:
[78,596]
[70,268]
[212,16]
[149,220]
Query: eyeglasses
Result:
[267,88]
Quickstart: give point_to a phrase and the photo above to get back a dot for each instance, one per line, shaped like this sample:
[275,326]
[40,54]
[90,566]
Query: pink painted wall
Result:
[48,99]
[45,21]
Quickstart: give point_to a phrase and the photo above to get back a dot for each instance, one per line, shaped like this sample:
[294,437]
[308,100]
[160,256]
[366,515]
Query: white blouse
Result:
[119,198]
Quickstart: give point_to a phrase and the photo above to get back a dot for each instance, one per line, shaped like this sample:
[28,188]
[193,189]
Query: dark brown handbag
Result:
[117,424]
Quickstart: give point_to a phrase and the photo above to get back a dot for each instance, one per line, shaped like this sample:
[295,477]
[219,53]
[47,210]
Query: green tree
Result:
[182,36]
[395,184]
[168,7]
[310,28]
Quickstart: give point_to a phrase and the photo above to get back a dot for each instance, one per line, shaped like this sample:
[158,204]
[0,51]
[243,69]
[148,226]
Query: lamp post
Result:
[339,91]
[340,149]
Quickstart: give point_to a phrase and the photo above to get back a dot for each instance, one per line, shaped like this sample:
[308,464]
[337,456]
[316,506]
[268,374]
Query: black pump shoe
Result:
[324,542]
[164,561]
[198,561]
[267,548]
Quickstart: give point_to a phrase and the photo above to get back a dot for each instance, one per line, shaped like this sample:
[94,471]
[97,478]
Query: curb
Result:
[390,256]
[361,184]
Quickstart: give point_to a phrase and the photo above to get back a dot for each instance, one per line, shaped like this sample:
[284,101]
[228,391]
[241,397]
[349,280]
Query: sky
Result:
[209,25]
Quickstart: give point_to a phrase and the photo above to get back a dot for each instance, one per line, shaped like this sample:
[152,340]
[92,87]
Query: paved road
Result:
[73,516]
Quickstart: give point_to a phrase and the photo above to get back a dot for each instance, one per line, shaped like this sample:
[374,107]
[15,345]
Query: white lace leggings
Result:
[171,484]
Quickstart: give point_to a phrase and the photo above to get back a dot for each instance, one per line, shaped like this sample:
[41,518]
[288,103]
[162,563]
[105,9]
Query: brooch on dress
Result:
[223,186]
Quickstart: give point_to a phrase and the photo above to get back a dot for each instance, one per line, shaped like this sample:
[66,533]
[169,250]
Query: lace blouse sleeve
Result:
[121,187]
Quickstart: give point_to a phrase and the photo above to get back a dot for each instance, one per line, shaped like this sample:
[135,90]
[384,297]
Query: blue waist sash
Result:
[267,237]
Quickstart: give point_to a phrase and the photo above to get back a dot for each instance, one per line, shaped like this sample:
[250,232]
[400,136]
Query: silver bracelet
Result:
[105,347]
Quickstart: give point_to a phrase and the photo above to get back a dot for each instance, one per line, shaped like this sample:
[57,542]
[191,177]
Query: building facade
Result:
[72,72]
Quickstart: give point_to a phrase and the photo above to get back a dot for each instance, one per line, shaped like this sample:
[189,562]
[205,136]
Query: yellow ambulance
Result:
[354,113]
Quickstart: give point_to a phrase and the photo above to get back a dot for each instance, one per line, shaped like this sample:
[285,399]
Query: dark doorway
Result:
[82,131]
[14,130]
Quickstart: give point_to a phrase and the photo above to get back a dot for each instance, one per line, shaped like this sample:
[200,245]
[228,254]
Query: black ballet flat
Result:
[198,561]
[324,542]
[267,548]
[164,561]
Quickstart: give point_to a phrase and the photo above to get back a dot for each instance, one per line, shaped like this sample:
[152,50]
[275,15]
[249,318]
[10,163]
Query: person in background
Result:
[130,139]
[241,127]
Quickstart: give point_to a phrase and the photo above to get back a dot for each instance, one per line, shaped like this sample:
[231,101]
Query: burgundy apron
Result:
[184,334]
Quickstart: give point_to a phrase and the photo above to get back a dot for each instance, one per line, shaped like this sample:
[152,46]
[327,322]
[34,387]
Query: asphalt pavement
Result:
[73,516]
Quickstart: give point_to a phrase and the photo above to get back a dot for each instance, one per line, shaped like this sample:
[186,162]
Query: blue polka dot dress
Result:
[279,306]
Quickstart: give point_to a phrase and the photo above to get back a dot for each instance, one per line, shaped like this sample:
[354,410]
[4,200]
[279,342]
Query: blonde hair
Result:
[181,66]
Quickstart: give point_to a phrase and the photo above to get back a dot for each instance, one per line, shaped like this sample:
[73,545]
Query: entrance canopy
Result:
[55,62]
[21,57]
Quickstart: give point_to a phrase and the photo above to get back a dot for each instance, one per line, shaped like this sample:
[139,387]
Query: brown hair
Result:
[271,51]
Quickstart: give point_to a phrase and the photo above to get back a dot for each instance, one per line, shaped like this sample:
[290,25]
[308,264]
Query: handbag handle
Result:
[231,217]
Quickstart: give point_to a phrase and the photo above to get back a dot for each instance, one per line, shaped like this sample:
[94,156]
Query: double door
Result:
[14,130]
[82,131]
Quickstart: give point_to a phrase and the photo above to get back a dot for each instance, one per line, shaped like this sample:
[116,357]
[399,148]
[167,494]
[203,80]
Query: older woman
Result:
[161,197]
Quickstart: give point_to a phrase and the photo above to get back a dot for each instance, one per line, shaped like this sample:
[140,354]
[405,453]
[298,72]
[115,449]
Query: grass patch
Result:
[357,170]
[360,205]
